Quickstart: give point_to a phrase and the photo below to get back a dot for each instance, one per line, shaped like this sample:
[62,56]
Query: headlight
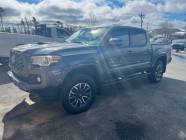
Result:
[45,60]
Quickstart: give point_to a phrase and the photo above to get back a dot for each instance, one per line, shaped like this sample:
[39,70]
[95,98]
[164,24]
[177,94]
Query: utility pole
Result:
[147,26]
[185,26]
[185,29]
[142,16]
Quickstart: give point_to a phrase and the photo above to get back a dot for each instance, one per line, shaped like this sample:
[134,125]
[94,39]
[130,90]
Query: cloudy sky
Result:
[104,11]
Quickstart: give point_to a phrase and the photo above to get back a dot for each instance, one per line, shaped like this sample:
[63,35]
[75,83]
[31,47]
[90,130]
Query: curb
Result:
[180,55]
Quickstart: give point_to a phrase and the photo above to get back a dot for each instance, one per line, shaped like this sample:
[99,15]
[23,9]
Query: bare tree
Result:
[19,29]
[14,29]
[35,22]
[27,25]
[1,17]
[92,19]
[23,25]
[166,29]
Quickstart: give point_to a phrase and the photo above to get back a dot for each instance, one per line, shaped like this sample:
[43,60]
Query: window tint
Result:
[61,33]
[138,39]
[48,32]
[122,35]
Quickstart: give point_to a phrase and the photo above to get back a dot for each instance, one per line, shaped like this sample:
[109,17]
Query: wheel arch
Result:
[162,58]
[90,70]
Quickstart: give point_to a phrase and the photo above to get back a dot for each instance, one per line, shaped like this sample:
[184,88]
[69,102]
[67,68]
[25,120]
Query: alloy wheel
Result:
[80,95]
[159,72]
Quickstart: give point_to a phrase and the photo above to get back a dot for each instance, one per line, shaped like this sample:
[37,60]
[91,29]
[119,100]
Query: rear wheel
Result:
[157,72]
[78,93]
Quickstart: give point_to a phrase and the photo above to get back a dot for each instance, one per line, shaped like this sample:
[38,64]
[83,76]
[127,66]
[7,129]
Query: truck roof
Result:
[120,26]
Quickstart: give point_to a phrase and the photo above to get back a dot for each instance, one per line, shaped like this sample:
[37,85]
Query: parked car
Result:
[90,58]
[160,40]
[10,40]
[179,44]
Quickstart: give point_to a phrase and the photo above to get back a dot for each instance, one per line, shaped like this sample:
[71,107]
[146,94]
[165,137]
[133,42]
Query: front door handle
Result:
[130,51]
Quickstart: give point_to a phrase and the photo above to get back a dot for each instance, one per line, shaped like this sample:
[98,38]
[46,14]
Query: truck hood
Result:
[54,48]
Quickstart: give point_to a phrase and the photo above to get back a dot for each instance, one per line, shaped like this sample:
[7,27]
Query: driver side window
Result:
[121,38]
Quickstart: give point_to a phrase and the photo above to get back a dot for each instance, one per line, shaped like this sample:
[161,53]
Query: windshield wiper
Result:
[77,42]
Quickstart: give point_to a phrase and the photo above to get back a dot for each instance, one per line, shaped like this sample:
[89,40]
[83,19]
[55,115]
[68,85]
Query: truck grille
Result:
[17,62]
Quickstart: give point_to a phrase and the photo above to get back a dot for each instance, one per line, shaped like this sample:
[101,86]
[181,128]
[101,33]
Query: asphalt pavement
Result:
[137,110]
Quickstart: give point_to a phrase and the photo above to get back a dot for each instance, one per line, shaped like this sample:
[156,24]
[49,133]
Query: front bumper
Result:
[49,80]
[23,85]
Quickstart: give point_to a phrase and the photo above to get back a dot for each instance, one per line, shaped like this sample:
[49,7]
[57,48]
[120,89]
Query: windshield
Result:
[88,36]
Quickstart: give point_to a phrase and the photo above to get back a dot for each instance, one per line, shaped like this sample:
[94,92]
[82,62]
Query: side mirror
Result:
[115,41]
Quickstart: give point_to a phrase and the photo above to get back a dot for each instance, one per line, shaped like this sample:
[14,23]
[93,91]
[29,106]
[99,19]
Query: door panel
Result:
[140,55]
[116,55]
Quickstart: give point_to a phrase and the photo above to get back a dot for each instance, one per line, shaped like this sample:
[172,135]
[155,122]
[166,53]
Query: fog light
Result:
[38,79]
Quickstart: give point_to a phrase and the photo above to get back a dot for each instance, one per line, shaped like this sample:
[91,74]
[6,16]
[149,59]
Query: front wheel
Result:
[157,72]
[78,93]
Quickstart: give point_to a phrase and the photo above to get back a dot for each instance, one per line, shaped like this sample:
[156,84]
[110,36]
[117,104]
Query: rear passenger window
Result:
[138,39]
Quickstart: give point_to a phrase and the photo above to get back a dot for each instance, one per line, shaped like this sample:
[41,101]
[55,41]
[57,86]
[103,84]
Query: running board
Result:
[127,78]
[134,76]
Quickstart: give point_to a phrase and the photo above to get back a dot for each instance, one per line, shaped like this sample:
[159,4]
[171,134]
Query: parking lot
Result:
[137,110]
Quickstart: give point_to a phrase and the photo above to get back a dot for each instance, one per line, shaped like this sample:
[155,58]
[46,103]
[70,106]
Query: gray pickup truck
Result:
[88,59]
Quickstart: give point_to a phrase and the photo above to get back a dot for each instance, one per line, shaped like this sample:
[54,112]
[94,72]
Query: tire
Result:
[78,93]
[156,74]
